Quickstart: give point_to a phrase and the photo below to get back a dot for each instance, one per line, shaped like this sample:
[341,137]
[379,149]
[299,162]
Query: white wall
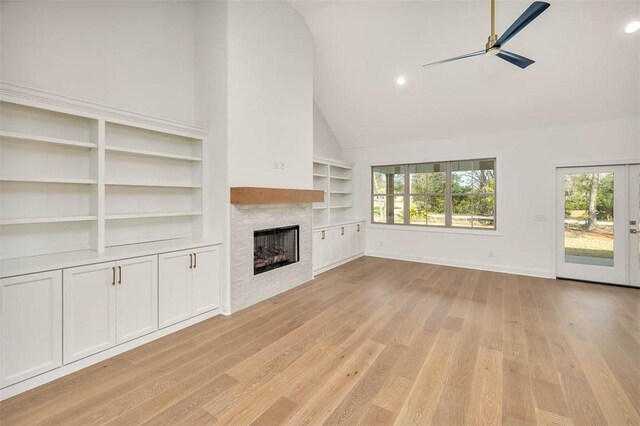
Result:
[325,143]
[270,95]
[137,56]
[525,189]
[211,112]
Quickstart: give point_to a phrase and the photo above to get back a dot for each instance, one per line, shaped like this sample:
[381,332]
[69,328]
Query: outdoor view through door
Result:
[598,212]
[588,218]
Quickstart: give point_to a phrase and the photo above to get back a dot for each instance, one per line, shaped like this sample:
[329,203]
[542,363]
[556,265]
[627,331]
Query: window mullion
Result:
[448,202]
[407,191]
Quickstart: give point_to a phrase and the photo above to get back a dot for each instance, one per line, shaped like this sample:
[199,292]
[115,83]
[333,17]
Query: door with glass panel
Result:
[592,226]
[634,225]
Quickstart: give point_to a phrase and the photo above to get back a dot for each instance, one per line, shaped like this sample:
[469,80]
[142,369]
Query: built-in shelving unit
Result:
[334,178]
[92,177]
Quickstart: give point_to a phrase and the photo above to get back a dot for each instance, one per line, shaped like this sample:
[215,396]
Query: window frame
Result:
[448,194]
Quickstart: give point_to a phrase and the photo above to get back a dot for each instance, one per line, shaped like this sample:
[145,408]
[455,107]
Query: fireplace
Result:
[274,248]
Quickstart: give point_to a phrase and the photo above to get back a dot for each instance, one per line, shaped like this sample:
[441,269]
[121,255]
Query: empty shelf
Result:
[151,215]
[58,219]
[143,153]
[46,139]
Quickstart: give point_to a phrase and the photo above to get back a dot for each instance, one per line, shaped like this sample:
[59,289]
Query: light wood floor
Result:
[377,342]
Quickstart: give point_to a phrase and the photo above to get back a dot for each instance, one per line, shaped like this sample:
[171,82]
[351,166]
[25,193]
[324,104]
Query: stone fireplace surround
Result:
[247,288]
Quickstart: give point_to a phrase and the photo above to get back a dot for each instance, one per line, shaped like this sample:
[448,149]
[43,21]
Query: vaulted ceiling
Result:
[587,68]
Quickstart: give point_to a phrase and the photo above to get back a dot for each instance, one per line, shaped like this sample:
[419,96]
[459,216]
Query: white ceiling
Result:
[587,69]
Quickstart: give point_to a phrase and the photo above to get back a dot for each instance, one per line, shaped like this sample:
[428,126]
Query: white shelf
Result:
[60,176]
[151,215]
[319,208]
[341,192]
[60,219]
[340,178]
[319,175]
[154,184]
[144,153]
[46,139]
[340,207]
[49,180]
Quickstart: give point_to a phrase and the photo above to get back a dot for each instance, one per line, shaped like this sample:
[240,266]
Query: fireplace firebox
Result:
[274,248]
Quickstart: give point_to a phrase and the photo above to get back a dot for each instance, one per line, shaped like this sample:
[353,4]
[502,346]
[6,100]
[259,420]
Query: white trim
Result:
[70,259]
[461,264]
[338,224]
[433,229]
[41,379]
[15,93]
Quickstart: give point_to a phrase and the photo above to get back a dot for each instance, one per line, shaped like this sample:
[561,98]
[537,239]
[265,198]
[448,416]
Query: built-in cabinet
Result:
[90,181]
[54,319]
[334,245]
[189,283]
[108,304]
[335,180]
[30,326]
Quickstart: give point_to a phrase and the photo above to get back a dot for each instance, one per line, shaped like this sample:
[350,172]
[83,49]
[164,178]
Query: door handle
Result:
[195,260]
[342,231]
[358,226]
[190,261]
[119,274]
[322,238]
[113,276]
[633,231]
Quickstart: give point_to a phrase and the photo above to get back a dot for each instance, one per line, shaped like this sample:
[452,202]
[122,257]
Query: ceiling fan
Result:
[494,44]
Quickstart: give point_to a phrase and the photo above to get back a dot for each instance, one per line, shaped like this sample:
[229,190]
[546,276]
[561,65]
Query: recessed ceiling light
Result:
[401,81]
[632,27]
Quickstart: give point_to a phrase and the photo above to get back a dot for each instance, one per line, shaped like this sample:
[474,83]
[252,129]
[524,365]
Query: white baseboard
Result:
[334,265]
[540,273]
[64,370]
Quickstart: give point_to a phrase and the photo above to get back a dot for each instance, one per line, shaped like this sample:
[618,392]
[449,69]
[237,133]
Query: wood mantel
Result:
[251,195]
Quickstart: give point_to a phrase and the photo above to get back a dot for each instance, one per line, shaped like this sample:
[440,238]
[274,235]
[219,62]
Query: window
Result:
[453,194]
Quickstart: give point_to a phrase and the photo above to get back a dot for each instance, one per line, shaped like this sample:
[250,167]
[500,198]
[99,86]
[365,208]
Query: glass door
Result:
[592,232]
[634,225]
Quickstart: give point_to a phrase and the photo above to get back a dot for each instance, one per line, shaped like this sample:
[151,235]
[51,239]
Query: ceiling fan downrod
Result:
[493,38]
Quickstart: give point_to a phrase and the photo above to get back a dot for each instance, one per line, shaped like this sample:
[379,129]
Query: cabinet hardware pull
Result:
[195,260]
[119,274]
[322,235]
[342,231]
[113,277]
[358,227]
[190,261]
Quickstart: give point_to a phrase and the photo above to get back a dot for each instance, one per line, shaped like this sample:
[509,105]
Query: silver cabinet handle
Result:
[633,231]
[113,276]
[119,274]
[322,235]
[195,260]
[342,231]
[358,226]
[190,261]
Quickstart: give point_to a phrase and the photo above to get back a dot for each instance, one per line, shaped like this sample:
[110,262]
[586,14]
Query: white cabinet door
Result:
[174,287]
[335,241]
[205,280]
[352,240]
[89,295]
[136,297]
[360,242]
[30,326]
[317,247]
[326,248]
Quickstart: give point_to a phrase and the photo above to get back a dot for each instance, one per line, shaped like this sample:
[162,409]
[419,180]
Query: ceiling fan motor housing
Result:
[493,38]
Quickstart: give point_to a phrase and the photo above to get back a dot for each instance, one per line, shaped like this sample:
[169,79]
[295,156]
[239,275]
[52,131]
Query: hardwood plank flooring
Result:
[376,342]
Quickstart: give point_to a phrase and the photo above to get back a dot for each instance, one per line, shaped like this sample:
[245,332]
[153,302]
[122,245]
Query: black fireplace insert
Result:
[274,248]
